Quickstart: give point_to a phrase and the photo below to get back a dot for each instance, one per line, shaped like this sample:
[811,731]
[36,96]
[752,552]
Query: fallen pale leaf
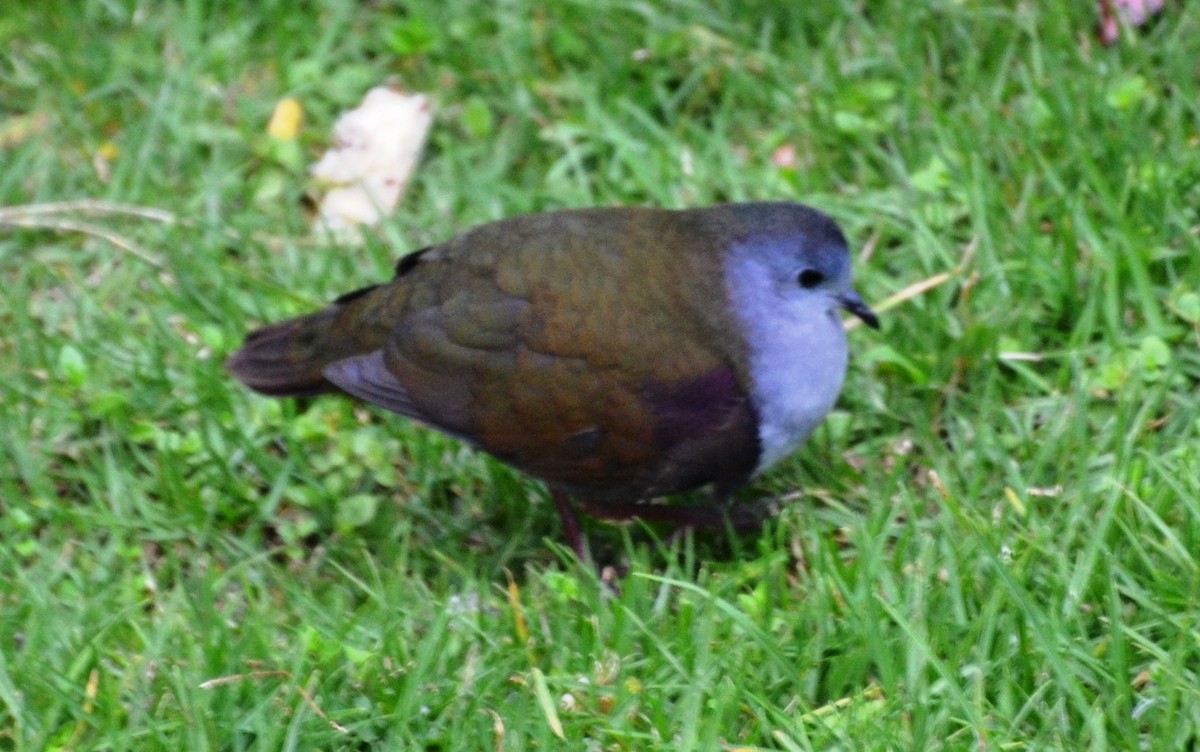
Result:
[102,160]
[377,147]
[286,119]
[784,157]
[18,128]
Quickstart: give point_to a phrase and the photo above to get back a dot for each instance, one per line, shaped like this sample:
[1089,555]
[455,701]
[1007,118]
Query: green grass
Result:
[991,552]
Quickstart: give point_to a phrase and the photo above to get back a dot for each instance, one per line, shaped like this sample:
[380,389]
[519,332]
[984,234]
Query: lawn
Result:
[993,543]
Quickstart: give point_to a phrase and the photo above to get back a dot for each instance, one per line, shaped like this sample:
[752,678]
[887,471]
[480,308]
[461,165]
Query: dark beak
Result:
[854,304]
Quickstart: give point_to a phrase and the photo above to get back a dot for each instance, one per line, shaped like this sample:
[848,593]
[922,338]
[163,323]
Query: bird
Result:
[618,354]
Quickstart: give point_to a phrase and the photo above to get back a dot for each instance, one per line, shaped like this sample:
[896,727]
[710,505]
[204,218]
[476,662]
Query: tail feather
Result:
[287,359]
[283,359]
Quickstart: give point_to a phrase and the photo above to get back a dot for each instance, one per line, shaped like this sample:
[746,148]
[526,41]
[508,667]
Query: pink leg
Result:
[570,523]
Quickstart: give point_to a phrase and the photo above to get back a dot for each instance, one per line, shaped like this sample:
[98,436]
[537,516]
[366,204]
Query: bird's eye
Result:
[810,278]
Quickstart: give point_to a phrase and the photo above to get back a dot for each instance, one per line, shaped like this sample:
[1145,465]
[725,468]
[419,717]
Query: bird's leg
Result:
[609,576]
[570,523]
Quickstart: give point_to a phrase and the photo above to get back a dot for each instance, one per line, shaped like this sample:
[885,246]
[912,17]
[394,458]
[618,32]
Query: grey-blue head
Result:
[805,250]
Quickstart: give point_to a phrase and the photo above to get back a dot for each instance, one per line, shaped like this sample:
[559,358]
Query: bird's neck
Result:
[797,358]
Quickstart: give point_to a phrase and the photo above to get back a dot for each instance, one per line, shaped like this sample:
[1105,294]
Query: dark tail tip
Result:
[282,360]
